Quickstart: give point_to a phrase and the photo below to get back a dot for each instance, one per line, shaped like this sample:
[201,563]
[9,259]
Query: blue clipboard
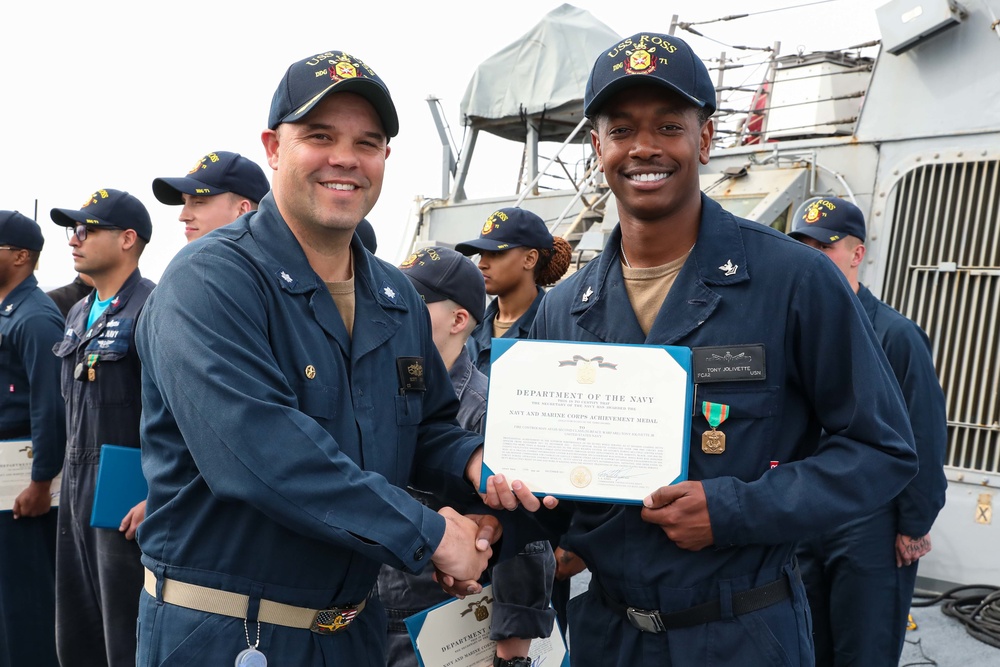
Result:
[120,485]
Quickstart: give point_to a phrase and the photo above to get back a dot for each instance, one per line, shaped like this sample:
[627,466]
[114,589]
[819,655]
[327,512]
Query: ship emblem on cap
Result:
[344,68]
[812,213]
[640,59]
[491,222]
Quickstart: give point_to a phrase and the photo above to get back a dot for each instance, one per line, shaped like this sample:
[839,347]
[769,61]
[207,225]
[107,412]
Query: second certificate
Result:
[589,421]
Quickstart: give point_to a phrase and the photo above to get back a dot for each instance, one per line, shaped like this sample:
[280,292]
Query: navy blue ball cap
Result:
[215,174]
[509,228]
[310,80]
[828,220]
[442,273]
[649,58]
[108,208]
[20,231]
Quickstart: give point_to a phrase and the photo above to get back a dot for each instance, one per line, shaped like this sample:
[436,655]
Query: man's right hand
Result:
[458,557]
[501,496]
[35,500]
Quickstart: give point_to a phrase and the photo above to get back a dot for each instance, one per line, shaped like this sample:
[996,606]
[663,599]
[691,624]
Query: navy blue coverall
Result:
[743,284]
[278,448]
[98,573]
[31,408]
[859,598]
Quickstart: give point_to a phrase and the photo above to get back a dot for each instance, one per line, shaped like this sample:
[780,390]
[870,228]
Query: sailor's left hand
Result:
[910,549]
[681,510]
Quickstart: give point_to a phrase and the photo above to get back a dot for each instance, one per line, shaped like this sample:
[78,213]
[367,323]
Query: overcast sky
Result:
[104,94]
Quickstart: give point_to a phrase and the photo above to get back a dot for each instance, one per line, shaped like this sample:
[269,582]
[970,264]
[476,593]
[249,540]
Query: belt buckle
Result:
[645,619]
[330,621]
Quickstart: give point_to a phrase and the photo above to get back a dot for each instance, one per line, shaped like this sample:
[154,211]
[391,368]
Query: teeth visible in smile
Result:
[648,177]
[339,186]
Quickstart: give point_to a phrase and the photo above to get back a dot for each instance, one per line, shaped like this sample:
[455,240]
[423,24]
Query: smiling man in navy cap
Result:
[98,573]
[221,187]
[291,391]
[31,409]
[704,573]
[860,576]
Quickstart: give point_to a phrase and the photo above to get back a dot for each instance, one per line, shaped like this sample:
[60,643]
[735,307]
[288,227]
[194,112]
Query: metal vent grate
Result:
[944,273]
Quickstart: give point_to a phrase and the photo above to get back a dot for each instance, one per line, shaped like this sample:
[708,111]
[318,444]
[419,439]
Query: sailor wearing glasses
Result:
[98,573]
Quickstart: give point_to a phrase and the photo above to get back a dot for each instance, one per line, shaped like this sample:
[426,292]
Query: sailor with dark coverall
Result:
[704,573]
[860,576]
[291,391]
[98,573]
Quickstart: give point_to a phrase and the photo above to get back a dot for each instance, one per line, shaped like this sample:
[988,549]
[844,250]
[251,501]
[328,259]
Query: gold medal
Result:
[91,374]
[713,442]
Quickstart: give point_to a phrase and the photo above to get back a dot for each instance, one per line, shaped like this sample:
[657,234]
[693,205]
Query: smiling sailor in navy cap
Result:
[704,572]
[291,392]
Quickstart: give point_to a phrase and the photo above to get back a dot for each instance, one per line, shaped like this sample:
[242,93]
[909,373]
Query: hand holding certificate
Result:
[589,421]
[15,473]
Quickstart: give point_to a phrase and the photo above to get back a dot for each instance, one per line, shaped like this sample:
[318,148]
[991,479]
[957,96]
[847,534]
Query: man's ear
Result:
[128,238]
[460,320]
[859,254]
[270,140]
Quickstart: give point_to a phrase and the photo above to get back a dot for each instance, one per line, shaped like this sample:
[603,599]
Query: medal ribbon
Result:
[715,413]
[92,360]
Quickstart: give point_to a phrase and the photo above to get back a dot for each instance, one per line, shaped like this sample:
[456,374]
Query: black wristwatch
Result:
[513,662]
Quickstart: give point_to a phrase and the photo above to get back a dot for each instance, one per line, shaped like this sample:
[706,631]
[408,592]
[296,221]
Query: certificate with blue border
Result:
[589,421]
[456,633]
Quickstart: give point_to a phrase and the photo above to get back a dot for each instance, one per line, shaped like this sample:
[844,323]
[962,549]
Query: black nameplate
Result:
[728,364]
[411,374]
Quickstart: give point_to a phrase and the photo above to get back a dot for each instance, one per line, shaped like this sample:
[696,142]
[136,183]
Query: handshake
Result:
[466,548]
[464,551]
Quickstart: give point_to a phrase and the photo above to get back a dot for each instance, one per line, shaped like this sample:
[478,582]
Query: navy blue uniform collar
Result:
[17,295]
[461,372]
[122,296]
[718,259]
[520,328]
[291,269]
[868,302]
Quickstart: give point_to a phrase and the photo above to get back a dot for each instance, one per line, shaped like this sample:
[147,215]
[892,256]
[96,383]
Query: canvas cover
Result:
[541,75]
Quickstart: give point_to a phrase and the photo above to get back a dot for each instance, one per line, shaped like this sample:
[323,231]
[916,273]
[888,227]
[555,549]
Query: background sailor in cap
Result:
[98,573]
[860,576]
[221,187]
[31,409]
[704,573]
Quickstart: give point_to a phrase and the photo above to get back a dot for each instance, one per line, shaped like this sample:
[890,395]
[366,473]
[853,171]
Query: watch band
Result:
[512,662]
